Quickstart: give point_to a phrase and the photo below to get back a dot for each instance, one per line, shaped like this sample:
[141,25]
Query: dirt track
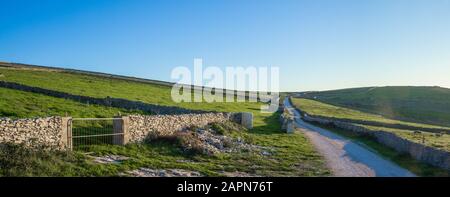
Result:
[345,157]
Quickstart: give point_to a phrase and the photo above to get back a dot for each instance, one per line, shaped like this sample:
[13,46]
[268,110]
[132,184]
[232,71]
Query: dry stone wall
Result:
[287,121]
[52,132]
[142,127]
[36,133]
[420,152]
[388,125]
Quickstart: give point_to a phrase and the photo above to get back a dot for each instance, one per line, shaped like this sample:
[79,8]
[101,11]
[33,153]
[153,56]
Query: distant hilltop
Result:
[101,74]
[426,104]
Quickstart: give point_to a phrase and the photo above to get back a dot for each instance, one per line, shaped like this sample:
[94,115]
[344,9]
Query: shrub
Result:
[218,128]
[186,140]
[190,143]
[227,127]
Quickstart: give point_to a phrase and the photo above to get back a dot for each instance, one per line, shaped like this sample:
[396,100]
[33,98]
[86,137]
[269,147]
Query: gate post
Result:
[120,125]
[66,133]
[125,122]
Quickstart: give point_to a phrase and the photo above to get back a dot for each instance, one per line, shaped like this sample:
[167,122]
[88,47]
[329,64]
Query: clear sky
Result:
[318,44]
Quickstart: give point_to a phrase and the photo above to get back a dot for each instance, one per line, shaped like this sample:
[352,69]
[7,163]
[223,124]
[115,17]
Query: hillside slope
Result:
[420,104]
[291,154]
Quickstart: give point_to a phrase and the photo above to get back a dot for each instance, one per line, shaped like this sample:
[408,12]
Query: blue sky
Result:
[318,44]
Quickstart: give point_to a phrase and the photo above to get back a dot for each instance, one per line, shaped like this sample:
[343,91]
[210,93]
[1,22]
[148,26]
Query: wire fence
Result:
[86,132]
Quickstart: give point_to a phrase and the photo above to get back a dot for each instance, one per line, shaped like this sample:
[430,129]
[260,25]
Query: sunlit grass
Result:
[293,154]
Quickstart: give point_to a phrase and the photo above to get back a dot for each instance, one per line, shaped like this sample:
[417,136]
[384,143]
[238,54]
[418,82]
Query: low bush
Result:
[17,160]
[190,143]
[218,128]
[185,140]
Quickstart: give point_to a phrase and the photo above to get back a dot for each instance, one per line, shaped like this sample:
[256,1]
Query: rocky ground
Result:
[108,159]
[147,172]
[215,143]
[209,140]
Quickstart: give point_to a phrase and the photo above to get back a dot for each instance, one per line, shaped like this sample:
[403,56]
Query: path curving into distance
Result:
[343,156]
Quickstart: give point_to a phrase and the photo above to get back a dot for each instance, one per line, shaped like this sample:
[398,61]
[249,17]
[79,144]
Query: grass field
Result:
[417,104]
[426,138]
[313,107]
[18,104]
[293,154]
[102,87]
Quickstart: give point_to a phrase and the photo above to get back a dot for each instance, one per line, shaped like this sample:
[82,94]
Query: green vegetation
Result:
[18,104]
[318,108]
[429,105]
[439,141]
[18,161]
[102,87]
[312,107]
[292,154]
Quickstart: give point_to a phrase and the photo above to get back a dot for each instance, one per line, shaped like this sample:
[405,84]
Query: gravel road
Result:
[345,157]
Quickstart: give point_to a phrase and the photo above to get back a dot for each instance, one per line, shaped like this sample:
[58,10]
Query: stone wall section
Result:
[47,133]
[55,132]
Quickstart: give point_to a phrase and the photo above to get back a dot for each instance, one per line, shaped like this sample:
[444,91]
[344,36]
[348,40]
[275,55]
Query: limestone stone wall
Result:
[287,121]
[45,133]
[52,132]
[141,127]
[420,152]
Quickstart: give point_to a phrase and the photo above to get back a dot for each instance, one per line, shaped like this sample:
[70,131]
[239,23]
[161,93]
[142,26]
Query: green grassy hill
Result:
[419,104]
[19,104]
[292,154]
[102,87]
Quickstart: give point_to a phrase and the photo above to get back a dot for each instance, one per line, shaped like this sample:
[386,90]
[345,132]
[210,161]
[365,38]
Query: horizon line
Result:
[168,83]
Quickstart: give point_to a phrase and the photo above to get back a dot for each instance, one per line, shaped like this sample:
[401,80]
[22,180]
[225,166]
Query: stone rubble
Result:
[215,143]
[147,172]
[108,159]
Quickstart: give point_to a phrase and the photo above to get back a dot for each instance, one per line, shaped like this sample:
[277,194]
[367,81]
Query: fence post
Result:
[247,120]
[290,127]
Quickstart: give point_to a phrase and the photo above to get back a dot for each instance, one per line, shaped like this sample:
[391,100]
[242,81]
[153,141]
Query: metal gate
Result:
[85,132]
